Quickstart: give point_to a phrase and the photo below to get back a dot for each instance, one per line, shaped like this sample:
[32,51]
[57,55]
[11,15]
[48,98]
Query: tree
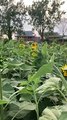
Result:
[45,14]
[54,14]
[11,17]
[61,26]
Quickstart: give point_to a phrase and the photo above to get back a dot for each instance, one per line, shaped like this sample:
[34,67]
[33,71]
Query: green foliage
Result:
[44,50]
[63,116]
[25,85]
[3,102]
[20,110]
[45,14]
[54,113]
[47,68]
[10,20]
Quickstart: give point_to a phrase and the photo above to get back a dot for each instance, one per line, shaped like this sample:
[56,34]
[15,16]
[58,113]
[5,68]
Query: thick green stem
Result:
[36,101]
[1,97]
[37,109]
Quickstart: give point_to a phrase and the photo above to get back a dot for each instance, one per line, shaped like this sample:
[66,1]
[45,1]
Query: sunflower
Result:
[34,46]
[64,70]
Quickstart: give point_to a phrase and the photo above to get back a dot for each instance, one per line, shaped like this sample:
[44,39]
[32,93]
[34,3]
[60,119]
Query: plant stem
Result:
[16,114]
[36,101]
[59,74]
[37,109]
[1,97]
[62,94]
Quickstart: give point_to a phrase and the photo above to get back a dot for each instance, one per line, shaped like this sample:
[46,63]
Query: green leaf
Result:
[8,90]
[47,68]
[5,71]
[52,58]
[50,85]
[23,83]
[54,113]
[63,116]
[20,110]
[44,49]
[3,102]
[50,114]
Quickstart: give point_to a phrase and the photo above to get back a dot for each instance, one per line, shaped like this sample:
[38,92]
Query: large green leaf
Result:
[54,113]
[8,90]
[20,110]
[48,115]
[50,85]
[47,68]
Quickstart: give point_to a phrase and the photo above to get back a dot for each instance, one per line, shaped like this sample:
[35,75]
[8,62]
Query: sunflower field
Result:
[33,81]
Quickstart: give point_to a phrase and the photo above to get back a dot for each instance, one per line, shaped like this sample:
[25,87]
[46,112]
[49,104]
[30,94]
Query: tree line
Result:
[44,15]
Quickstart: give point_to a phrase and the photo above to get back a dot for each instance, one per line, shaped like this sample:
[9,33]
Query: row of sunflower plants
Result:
[15,66]
[30,80]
